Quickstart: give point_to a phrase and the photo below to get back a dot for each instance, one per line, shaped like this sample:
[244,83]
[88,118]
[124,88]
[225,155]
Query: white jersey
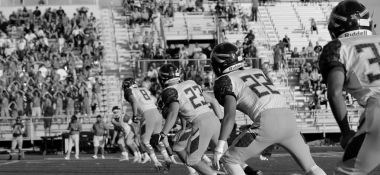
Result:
[145,101]
[360,59]
[253,91]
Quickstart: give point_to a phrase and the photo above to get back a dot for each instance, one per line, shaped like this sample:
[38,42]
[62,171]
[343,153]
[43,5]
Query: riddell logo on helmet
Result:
[356,33]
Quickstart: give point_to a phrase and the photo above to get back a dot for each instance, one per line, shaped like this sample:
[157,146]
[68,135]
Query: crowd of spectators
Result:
[48,59]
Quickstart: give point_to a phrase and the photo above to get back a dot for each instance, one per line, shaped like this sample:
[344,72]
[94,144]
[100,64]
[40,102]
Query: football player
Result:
[188,99]
[18,130]
[351,62]
[251,92]
[122,128]
[151,120]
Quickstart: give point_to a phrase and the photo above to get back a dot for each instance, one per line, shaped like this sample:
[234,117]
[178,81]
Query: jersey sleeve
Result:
[169,95]
[330,58]
[127,93]
[223,87]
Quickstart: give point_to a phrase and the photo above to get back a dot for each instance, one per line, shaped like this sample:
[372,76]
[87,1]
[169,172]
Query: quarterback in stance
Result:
[251,92]
[151,119]
[351,62]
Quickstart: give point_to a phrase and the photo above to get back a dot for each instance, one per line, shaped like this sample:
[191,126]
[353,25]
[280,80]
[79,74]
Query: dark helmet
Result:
[349,15]
[127,83]
[226,57]
[168,73]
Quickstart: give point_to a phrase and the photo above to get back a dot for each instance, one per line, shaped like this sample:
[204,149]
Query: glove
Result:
[263,158]
[216,161]
[344,139]
[134,119]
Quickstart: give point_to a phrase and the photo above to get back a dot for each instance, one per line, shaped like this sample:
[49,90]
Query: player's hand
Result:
[344,139]
[263,158]
[216,161]
[134,119]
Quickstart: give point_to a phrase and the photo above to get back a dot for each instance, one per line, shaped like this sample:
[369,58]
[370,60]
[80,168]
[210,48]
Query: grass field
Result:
[281,163]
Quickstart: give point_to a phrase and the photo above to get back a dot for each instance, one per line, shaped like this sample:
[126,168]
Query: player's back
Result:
[361,59]
[190,98]
[253,90]
[145,101]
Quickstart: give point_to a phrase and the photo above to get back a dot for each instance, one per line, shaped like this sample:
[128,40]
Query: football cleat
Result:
[158,166]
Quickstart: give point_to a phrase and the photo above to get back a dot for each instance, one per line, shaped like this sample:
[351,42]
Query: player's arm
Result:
[128,95]
[223,90]
[170,98]
[335,83]
[333,72]
[214,104]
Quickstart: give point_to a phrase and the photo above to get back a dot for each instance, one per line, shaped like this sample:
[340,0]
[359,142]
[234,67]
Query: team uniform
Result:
[359,60]
[274,123]
[195,110]
[125,134]
[151,119]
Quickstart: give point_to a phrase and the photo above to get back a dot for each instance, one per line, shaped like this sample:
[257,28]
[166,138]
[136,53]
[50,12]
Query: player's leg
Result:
[146,131]
[70,147]
[76,144]
[102,143]
[96,147]
[123,150]
[362,153]
[293,141]
[169,150]
[13,147]
[20,141]
[179,146]
[130,143]
[156,122]
[202,134]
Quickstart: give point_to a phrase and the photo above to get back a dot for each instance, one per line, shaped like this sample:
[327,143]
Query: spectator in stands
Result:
[286,41]
[199,5]
[303,53]
[314,79]
[317,49]
[48,112]
[254,9]
[75,127]
[244,22]
[231,12]
[304,79]
[156,21]
[313,25]
[218,8]
[315,103]
[181,5]
[190,5]
[101,133]
[250,36]
[136,18]
[152,72]
[277,58]
[323,95]
[310,50]
[18,130]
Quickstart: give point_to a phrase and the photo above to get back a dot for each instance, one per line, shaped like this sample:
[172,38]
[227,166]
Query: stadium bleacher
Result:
[292,19]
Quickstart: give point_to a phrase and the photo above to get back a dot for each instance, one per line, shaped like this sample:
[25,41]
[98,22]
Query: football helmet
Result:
[225,58]
[168,73]
[349,18]
[128,83]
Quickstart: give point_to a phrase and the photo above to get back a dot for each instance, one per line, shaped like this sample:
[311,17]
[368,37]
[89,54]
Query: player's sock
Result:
[154,158]
[164,152]
[191,170]
[315,170]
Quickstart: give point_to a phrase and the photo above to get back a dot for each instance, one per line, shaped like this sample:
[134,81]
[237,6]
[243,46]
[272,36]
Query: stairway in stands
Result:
[111,62]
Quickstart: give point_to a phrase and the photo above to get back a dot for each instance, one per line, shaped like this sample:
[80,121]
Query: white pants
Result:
[73,139]
[362,153]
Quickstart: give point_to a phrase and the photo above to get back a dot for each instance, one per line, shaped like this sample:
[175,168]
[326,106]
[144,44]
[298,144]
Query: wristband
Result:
[163,134]
[220,146]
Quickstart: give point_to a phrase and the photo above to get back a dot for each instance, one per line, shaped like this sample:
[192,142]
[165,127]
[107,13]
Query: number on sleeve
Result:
[145,94]
[367,55]
[259,84]
[196,93]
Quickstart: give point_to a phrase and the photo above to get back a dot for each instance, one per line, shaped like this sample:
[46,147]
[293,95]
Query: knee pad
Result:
[148,146]
[155,139]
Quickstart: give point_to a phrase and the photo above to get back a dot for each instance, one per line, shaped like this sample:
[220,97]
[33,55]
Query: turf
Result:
[280,163]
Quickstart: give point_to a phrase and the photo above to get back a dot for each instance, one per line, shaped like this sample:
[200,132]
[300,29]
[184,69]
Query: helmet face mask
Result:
[225,58]
[349,18]
[168,74]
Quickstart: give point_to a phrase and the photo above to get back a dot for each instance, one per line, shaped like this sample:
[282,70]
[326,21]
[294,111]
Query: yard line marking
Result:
[6,163]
